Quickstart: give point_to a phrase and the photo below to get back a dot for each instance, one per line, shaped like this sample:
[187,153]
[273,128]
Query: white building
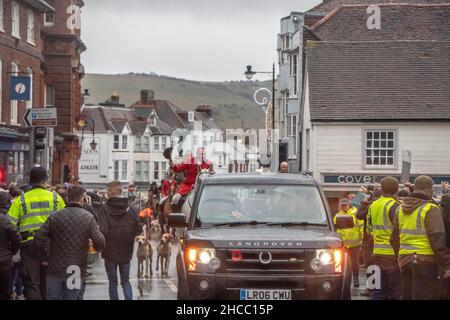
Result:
[289,85]
[130,141]
[114,155]
[367,103]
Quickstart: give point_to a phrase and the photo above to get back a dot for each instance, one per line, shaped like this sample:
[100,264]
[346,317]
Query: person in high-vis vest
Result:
[423,256]
[29,212]
[380,221]
[351,237]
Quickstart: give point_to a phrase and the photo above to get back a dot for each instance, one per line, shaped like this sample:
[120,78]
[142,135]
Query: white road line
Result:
[171,285]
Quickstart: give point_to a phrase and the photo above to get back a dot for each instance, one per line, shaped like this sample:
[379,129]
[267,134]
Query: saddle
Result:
[180,203]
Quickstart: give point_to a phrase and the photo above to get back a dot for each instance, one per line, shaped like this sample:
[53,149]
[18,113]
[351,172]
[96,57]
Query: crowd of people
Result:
[402,231]
[46,234]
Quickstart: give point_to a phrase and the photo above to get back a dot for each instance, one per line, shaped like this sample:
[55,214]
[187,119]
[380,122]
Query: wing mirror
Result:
[345,222]
[177,220]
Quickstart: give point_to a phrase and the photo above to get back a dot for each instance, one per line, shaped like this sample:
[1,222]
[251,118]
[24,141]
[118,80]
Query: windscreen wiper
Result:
[301,224]
[239,223]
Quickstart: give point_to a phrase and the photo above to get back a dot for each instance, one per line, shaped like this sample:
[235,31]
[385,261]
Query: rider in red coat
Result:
[169,182]
[191,167]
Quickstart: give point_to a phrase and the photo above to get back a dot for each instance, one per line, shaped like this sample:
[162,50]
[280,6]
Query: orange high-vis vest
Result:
[146,213]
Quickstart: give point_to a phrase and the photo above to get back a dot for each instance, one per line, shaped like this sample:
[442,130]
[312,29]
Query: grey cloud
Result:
[194,39]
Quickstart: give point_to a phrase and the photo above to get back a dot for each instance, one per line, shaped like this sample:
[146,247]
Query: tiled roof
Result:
[109,119]
[165,110]
[207,122]
[118,124]
[161,128]
[138,127]
[398,22]
[169,118]
[329,5]
[407,80]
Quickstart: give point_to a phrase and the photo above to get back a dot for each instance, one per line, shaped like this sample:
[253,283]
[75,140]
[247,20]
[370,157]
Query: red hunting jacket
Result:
[191,169]
[166,186]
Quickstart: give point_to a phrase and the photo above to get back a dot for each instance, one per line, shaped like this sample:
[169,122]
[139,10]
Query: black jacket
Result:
[9,240]
[5,202]
[120,224]
[64,239]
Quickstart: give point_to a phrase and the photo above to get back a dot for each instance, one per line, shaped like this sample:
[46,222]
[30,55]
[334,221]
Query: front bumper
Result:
[302,286]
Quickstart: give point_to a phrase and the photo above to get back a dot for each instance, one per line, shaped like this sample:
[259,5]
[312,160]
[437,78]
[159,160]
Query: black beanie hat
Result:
[38,175]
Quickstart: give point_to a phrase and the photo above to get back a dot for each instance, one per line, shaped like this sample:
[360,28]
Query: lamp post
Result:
[82,123]
[249,73]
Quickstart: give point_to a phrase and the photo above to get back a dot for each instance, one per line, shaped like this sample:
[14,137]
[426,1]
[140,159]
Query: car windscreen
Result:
[261,203]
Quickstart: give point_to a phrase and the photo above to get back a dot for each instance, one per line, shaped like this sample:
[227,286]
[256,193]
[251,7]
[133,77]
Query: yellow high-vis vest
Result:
[350,237]
[381,225]
[413,236]
[30,211]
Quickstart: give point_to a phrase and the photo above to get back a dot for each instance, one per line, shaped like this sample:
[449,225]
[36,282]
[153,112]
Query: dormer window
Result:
[152,119]
[191,116]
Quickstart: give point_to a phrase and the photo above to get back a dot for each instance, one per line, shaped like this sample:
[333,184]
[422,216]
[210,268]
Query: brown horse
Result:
[167,210]
[152,204]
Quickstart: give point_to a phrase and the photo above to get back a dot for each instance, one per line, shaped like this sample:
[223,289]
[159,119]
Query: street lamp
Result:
[93,144]
[83,123]
[249,73]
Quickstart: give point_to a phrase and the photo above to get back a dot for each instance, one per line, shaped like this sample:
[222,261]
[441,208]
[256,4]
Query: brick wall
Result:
[24,54]
[54,59]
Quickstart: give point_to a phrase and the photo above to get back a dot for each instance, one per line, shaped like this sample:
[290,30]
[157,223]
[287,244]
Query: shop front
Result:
[14,155]
[337,186]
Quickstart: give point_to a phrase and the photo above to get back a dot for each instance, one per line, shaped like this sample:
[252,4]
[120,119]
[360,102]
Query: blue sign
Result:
[20,88]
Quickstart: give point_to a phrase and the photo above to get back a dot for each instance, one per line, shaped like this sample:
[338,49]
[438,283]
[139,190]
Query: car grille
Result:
[283,261]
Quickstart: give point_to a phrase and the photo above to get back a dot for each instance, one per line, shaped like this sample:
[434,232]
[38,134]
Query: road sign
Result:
[44,117]
[406,166]
[20,88]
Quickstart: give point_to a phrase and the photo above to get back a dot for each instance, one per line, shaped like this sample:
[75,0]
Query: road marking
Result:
[171,285]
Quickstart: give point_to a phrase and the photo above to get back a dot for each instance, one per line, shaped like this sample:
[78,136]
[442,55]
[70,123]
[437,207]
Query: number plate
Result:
[258,294]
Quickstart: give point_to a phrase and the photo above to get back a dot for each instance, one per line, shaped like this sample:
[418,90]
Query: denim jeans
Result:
[82,291]
[390,285]
[354,258]
[124,270]
[57,289]
[17,285]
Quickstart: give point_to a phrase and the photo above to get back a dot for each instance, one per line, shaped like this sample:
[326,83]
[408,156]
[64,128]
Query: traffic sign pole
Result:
[32,154]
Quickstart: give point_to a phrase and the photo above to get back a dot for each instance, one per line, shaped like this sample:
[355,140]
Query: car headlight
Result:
[202,256]
[327,258]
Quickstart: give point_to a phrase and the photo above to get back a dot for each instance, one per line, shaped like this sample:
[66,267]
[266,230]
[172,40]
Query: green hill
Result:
[232,102]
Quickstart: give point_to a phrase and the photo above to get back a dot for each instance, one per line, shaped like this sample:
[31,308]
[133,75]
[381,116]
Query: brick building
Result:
[35,40]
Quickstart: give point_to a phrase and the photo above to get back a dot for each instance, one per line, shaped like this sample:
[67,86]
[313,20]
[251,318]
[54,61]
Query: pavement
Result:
[157,287]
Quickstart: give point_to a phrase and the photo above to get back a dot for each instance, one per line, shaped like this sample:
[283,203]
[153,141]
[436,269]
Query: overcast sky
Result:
[210,40]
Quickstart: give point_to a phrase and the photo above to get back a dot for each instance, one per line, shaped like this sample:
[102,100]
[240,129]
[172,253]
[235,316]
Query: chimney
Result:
[147,96]
[115,98]
[204,108]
